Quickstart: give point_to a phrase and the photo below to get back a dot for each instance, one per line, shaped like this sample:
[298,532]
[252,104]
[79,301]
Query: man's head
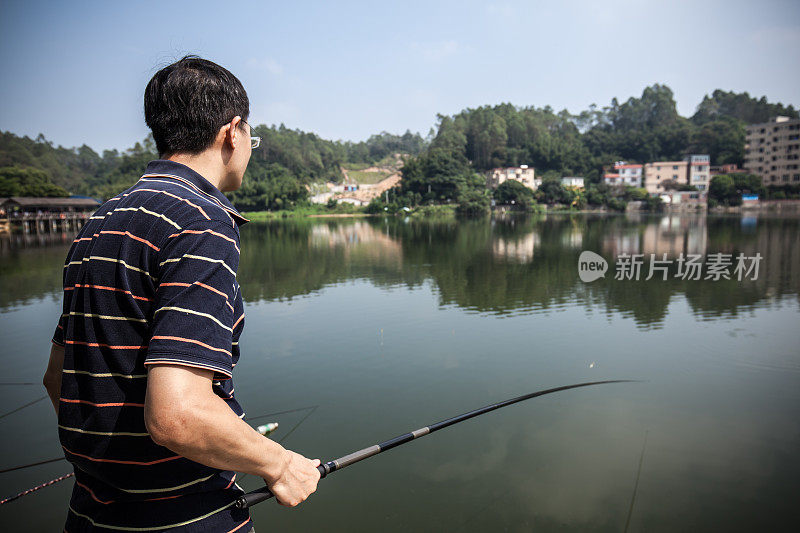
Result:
[193,106]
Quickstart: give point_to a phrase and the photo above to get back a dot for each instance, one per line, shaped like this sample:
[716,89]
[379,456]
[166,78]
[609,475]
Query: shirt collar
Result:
[179,171]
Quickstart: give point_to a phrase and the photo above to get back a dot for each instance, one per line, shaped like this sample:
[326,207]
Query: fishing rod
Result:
[37,487]
[262,494]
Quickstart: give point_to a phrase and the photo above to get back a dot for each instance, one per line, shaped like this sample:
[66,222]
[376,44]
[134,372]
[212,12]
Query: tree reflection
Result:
[502,266]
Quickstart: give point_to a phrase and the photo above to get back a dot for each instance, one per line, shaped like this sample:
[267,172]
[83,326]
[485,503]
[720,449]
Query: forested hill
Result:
[287,160]
[646,128]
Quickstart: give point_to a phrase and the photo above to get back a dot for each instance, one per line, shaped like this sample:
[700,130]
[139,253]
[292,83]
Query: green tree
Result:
[271,187]
[22,181]
[722,190]
[552,192]
[739,106]
[473,202]
[512,191]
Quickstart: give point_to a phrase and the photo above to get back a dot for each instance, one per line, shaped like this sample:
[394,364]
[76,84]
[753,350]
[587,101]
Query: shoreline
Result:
[342,215]
[789,208]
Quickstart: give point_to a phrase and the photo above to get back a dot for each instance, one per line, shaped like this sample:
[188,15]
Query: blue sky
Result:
[75,71]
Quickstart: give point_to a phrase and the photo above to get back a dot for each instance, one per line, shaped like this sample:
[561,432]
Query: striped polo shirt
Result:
[151,278]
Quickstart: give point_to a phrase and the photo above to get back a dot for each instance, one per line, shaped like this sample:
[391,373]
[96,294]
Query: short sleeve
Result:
[193,315]
[58,335]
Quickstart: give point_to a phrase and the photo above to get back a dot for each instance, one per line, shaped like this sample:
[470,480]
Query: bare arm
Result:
[183,414]
[52,376]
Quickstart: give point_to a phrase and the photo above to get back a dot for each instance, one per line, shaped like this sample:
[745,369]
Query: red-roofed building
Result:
[627,174]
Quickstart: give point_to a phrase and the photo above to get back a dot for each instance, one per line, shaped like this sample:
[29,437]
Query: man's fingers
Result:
[289,504]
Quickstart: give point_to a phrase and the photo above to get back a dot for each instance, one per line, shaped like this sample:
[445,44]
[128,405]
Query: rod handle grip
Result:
[251,498]
[259,495]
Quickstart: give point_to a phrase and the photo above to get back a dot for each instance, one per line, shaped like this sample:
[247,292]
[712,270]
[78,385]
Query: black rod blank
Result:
[259,495]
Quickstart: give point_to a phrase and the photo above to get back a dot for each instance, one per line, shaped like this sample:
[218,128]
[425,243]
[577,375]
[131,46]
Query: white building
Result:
[572,181]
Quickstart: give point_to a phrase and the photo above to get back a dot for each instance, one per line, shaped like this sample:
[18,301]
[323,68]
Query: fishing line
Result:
[23,406]
[312,409]
[636,485]
[281,412]
[33,464]
[311,412]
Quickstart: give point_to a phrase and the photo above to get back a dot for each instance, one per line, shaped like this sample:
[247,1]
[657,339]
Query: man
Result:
[140,371]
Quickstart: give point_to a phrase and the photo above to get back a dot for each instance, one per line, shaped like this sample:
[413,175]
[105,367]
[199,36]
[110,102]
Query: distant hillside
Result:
[641,129]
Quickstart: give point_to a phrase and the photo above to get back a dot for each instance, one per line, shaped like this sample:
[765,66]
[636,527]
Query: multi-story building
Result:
[699,169]
[661,173]
[772,151]
[522,174]
[627,174]
[694,170]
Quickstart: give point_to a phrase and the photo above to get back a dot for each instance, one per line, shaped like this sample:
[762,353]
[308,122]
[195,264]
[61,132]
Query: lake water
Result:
[389,325]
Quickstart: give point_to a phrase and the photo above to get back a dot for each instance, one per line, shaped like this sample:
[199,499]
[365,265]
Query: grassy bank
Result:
[305,211]
[434,211]
[345,210]
[444,211]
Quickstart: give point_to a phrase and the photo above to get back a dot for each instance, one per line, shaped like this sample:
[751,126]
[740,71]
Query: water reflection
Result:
[9,242]
[520,250]
[522,265]
[506,266]
[358,241]
[671,235]
[31,267]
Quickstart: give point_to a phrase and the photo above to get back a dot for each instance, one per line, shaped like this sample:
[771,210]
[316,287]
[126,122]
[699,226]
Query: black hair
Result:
[187,102]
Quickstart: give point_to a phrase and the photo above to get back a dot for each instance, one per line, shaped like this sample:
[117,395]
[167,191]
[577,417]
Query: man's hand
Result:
[297,480]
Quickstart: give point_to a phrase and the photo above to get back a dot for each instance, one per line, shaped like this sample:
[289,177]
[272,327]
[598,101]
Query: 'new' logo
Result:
[591,266]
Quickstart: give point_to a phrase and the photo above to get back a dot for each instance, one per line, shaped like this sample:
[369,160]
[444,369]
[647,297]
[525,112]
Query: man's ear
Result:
[233,135]
[223,135]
